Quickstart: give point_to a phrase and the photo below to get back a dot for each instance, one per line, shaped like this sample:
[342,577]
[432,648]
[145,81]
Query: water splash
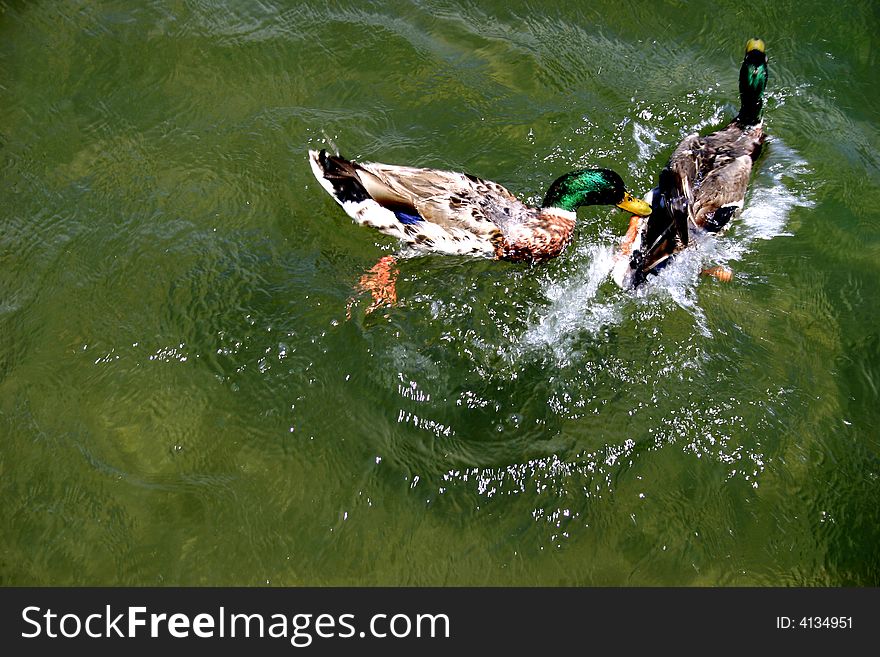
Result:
[580,304]
[647,139]
[575,305]
[766,214]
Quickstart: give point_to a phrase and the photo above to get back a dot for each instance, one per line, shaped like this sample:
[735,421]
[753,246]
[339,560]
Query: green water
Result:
[183,400]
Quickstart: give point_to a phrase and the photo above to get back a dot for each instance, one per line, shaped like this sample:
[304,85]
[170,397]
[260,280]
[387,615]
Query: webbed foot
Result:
[723,274]
[380,281]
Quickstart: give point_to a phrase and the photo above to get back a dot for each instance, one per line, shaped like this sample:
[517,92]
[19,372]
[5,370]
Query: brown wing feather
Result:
[446,198]
[713,171]
[685,161]
[384,193]
[722,186]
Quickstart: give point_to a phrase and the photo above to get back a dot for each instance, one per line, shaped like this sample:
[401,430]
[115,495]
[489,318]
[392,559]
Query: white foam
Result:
[647,140]
[573,304]
[766,213]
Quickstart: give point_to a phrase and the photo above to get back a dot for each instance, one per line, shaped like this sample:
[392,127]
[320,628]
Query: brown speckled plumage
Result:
[542,238]
[704,175]
[704,183]
[460,214]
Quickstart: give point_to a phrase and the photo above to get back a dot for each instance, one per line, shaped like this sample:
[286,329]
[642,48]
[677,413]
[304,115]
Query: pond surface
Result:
[183,400]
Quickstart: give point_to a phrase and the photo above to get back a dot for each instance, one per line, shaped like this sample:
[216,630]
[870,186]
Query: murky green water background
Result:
[183,401]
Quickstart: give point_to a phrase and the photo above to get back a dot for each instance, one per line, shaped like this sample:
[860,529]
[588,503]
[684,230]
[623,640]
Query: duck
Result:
[446,212]
[702,187]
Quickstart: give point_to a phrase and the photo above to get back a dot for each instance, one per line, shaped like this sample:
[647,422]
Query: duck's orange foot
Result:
[723,274]
[380,281]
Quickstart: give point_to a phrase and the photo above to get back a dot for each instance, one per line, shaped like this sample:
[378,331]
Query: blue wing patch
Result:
[408,219]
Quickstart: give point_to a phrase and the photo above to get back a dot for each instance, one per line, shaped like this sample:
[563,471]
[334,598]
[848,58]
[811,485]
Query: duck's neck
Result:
[751,110]
[752,81]
[561,207]
[561,213]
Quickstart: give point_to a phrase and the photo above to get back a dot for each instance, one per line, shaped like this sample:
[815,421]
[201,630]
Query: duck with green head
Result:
[436,211]
[459,214]
[703,186]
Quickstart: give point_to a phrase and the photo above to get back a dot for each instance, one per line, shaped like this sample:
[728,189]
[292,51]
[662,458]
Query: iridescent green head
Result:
[752,82]
[592,187]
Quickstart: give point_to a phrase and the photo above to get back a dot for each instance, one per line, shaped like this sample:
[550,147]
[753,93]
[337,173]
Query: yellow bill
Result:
[634,205]
[755,44]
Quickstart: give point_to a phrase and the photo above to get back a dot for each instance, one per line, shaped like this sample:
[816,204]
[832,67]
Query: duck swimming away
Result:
[702,187]
[453,213]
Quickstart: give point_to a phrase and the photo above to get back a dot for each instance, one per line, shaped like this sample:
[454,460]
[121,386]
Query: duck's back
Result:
[712,172]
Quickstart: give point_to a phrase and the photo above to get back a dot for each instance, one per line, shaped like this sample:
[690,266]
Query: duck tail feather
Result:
[338,176]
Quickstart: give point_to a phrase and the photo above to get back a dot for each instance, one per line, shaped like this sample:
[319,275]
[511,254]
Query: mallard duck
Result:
[460,214]
[702,186]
